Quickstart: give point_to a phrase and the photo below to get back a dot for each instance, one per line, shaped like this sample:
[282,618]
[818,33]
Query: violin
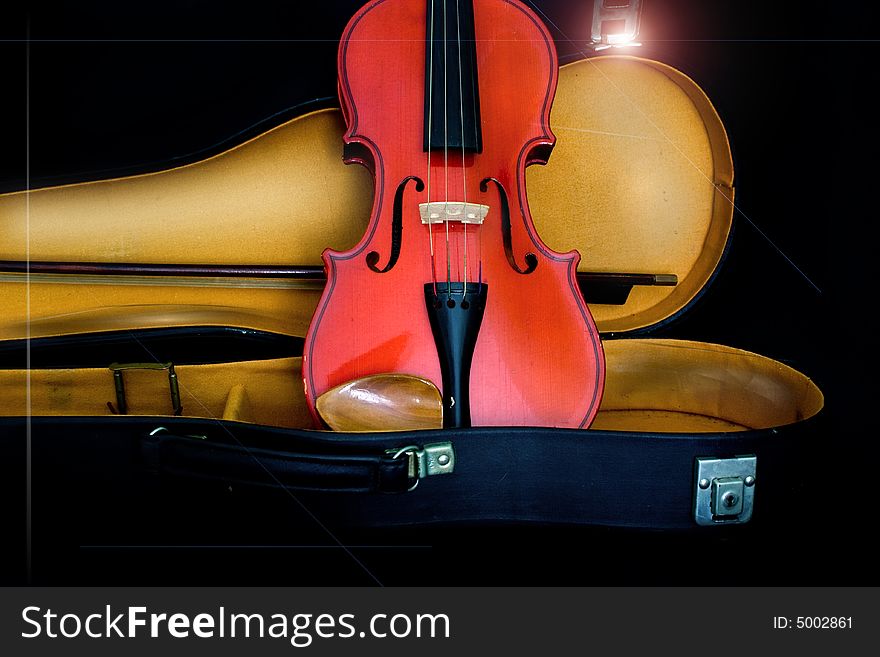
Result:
[447,102]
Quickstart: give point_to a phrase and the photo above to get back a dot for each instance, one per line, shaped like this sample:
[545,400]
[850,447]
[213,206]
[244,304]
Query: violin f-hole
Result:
[396,228]
[530,258]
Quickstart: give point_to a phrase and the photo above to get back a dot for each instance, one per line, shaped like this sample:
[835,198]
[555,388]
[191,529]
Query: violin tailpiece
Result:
[456,313]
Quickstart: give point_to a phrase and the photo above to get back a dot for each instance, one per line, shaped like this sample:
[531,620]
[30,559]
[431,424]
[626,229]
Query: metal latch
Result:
[427,460]
[724,489]
[119,384]
[615,23]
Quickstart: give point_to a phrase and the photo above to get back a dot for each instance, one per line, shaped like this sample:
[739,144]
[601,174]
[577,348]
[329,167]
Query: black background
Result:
[109,87]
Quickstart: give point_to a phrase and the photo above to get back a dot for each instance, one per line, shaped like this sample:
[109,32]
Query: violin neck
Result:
[452,101]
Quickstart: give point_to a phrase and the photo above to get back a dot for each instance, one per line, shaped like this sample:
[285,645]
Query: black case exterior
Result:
[118,489]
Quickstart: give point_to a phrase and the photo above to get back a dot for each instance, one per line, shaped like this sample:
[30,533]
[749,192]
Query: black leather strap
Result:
[169,455]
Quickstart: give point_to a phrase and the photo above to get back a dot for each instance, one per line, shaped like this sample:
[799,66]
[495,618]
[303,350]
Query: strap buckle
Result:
[119,384]
[426,461]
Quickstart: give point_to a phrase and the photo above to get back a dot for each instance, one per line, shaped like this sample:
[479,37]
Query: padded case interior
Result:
[640,181]
[652,385]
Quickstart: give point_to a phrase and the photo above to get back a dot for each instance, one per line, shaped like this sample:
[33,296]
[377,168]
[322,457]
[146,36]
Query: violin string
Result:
[430,46]
[463,170]
[446,147]
[478,227]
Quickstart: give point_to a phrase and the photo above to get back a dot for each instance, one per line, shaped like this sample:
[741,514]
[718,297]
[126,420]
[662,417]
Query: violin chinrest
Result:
[382,402]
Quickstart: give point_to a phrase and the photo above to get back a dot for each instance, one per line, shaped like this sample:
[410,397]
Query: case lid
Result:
[640,181]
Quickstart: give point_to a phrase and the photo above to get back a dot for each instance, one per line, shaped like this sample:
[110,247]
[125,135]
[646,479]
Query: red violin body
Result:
[536,355]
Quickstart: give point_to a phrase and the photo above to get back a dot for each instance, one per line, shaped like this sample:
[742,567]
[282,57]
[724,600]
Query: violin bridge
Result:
[439,212]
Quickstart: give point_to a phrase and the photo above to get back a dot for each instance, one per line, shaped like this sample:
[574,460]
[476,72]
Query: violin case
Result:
[700,440]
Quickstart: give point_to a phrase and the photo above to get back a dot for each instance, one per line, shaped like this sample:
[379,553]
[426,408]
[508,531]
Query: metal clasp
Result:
[426,461]
[615,23]
[725,490]
[119,384]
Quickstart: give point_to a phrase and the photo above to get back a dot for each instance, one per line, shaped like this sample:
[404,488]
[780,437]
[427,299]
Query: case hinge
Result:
[724,490]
